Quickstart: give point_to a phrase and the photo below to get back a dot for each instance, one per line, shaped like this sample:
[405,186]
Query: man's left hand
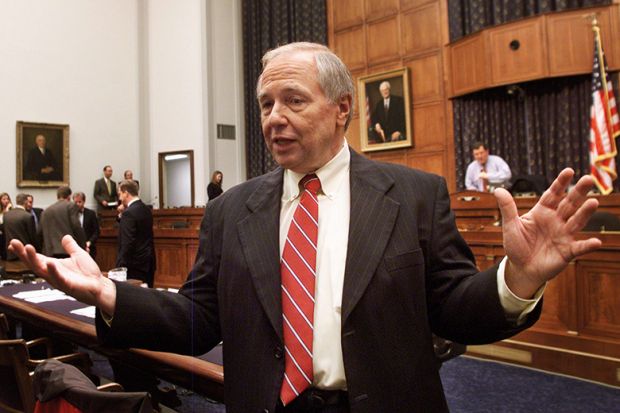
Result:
[541,243]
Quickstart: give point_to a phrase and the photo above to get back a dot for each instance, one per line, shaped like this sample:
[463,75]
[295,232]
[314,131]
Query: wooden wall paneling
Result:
[410,4]
[398,156]
[106,253]
[377,9]
[570,42]
[171,263]
[347,13]
[421,29]
[430,162]
[526,62]
[350,46]
[428,127]
[353,134]
[383,41]
[470,66]
[426,79]
[613,54]
[601,307]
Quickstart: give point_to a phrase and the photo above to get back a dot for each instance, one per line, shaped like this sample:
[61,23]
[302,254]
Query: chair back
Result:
[603,221]
[16,394]
[4,327]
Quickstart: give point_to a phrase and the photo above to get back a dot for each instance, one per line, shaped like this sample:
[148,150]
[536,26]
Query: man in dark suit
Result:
[387,265]
[90,223]
[34,211]
[105,190]
[388,117]
[41,164]
[136,250]
[58,220]
[18,224]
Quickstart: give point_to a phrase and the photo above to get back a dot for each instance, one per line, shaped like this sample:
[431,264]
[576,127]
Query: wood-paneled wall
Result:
[372,36]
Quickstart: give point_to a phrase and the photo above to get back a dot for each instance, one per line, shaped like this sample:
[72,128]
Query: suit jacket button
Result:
[278,352]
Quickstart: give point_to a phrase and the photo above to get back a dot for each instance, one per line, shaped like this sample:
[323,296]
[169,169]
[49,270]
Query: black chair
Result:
[526,184]
[603,221]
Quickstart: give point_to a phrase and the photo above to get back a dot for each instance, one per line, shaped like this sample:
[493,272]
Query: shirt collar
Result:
[19,206]
[330,175]
[132,201]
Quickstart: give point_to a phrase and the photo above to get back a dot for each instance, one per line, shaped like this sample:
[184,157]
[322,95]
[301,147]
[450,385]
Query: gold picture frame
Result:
[42,155]
[385,123]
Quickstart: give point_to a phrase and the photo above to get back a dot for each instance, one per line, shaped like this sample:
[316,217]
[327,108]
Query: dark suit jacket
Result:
[395,119]
[101,192]
[18,224]
[37,161]
[408,273]
[136,250]
[58,220]
[91,230]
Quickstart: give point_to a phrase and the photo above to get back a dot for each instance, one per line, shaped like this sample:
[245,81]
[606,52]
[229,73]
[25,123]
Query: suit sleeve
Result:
[188,322]
[97,192]
[93,223]
[463,303]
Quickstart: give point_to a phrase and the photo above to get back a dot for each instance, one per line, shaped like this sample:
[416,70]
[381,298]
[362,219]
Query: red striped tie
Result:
[298,271]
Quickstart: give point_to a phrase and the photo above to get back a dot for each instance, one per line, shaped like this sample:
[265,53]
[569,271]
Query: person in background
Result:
[136,250]
[5,206]
[34,211]
[18,224]
[214,189]
[105,190]
[90,223]
[486,172]
[58,220]
[128,175]
[326,277]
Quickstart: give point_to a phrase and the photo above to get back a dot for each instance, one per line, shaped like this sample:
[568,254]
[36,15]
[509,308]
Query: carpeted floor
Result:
[480,386]
[476,386]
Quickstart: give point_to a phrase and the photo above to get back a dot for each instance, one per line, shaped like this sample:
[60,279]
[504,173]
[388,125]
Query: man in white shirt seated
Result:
[486,172]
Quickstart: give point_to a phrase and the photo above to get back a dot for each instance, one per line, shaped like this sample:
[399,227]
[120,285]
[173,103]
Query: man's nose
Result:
[278,114]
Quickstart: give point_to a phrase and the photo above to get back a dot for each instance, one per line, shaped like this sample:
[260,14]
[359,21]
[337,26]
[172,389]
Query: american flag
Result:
[604,122]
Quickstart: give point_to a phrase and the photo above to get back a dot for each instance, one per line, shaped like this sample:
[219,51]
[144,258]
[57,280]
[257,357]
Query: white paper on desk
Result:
[86,311]
[42,296]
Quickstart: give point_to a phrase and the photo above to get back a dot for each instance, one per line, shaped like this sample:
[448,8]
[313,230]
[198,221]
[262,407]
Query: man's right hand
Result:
[78,275]
[104,203]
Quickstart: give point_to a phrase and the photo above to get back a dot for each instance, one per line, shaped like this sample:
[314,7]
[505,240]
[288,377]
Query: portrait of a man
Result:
[42,154]
[384,107]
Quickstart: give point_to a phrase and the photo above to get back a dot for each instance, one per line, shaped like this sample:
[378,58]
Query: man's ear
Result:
[345,106]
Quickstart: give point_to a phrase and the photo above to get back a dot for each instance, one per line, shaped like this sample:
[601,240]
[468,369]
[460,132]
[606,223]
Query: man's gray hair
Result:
[333,75]
[385,83]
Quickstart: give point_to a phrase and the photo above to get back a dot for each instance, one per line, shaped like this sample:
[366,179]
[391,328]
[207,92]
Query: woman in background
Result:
[5,205]
[214,189]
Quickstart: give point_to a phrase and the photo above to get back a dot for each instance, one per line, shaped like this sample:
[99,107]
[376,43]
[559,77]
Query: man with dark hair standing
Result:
[34,211]
[105,190]
[18,224]
[136,250]
[58,220]
[326,277]
[486,172]
[90,223]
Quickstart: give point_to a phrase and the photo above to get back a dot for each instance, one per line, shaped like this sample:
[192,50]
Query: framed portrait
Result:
[42,155]
[385,114]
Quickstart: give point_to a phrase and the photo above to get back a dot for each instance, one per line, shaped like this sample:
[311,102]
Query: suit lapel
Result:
[373,215]
[259,236]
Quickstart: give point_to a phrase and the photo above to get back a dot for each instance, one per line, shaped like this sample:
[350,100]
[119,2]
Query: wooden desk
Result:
[579,330]
[197,374]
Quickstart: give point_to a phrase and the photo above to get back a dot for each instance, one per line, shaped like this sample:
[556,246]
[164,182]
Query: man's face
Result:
[385,91]
[40,141]
[481,155]
[302,128]
[107,172]
[29,202]
[79,201]
[123,197]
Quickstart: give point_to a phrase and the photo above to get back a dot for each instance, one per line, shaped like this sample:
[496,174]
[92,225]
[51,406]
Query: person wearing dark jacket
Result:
[214,189]
[136,250]
[89,221]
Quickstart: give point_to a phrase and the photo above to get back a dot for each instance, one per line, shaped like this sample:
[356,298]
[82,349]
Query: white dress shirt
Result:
[334,214]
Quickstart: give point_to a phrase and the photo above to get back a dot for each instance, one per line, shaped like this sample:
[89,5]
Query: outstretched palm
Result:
[542,242]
